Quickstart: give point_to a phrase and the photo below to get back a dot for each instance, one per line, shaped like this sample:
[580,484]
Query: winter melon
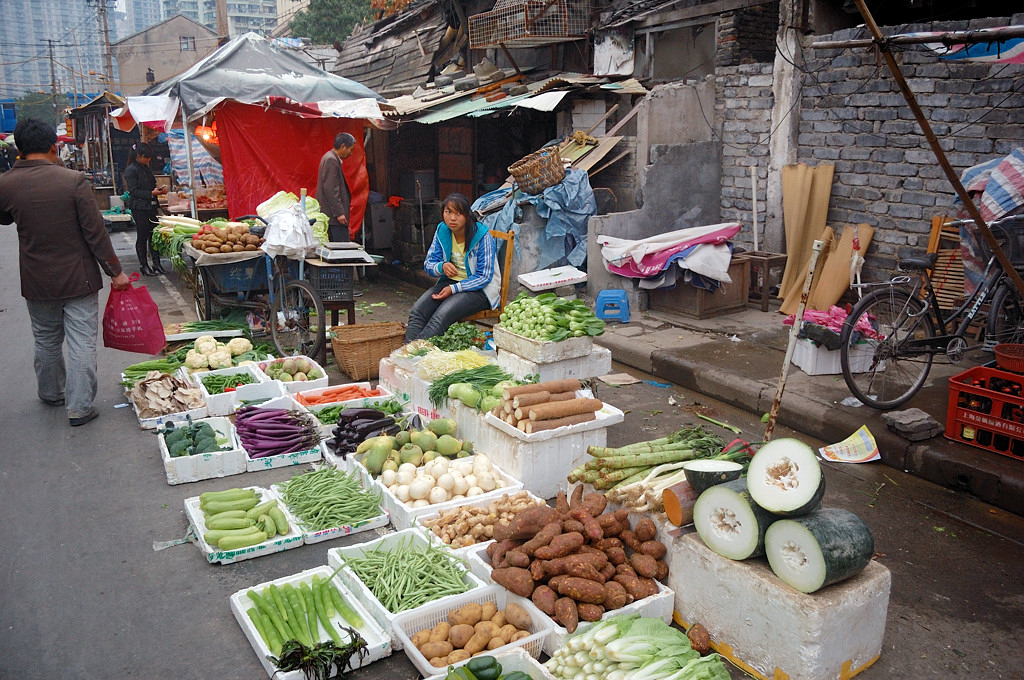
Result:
[816,550]
[730,522]
[785,478]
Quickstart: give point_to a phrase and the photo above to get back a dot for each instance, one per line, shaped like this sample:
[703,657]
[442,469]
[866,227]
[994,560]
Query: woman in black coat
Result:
[143,192]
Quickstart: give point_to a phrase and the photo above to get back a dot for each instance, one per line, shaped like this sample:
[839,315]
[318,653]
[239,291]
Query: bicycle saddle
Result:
[919,262]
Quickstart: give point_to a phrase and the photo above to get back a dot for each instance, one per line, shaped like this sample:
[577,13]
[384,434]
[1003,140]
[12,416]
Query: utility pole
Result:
[222,18]
[53,80]
[101,12]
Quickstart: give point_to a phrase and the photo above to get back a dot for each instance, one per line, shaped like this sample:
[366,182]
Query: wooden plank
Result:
[604,145]
[609,163]
[796,189]
[703,10]
[833,278]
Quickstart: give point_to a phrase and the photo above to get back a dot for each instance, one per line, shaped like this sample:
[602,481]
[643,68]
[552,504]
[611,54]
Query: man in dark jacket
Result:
[62,244]
[331,188]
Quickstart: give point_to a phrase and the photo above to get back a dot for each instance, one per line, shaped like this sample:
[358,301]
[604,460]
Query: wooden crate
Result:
[700,304]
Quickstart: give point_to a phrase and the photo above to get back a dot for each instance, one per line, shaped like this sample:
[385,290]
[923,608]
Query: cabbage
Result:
[283,200]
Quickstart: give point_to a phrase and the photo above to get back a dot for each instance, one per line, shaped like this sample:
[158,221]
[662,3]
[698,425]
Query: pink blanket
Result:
[833,320]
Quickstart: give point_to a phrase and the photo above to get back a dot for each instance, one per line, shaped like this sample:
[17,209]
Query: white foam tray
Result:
[515,659]
[295,386]
[183,469]
[351,403]
[408,624]
[293,539]
[380,614]
[224,404]
[284,459]
[542,352]
[378,642]
[608,415]
[310,536]
[159,421]
[268,389]
[656,606]
[464,551]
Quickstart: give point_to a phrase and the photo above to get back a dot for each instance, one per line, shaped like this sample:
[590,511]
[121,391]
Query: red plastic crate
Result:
[983,417]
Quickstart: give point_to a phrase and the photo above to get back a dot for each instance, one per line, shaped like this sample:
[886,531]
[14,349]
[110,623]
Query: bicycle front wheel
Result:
[295,318]
[881,371]
[1006,317]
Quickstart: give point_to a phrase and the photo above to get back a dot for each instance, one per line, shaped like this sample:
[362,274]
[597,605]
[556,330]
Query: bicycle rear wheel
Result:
[880,371]
[1006,317]
[295,318]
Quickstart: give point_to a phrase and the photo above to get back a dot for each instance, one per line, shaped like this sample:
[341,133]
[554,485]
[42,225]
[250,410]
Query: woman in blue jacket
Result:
[463,255]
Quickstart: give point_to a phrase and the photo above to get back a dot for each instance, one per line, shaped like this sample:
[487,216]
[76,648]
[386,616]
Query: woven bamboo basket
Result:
[1010,357]
[538,171]
[359,348]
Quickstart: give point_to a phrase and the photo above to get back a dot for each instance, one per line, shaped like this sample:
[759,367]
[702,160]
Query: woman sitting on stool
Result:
[464,255]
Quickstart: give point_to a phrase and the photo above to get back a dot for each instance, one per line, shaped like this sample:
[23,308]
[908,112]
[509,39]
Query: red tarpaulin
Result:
[264,151]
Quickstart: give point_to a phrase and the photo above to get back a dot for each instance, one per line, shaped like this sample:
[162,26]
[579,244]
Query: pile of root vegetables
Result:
[575,561]
[545,406]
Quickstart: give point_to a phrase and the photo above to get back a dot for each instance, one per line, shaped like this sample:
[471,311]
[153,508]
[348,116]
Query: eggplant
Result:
[369,426]
[392,430]
[349,414]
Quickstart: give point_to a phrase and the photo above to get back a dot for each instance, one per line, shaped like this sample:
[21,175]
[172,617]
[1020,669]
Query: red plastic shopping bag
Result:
[131,321]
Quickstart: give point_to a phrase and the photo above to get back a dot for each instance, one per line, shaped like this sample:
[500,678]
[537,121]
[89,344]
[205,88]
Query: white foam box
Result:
[597,362]
[656,606]
[404,516]
[316,536]
[295,387]
[542,461]
[408,624]
[771,630]
[183,469]
[224,404]
[285,459]
[265,391]
[515,659]
[412,538]
[421,521]
[378,642]
[542,352]
[408,388]
[361,402]
[176,418]
[814,360]
[293,539]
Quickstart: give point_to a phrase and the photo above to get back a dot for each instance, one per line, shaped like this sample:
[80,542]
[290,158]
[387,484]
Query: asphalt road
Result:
[85,595]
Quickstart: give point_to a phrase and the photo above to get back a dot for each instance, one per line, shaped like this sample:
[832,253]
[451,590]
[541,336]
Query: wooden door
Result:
[455,160]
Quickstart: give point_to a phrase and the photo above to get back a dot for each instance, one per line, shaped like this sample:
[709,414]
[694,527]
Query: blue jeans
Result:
[76,320]
[430,317]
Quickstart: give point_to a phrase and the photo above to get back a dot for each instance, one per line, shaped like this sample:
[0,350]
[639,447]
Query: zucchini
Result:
[213,507]
[816,550]
[261,509]
[218,522]
[280,522]
[703,473]
[213,536]
[227,495]
[785,478]
[244,541]
[267,525]
[730,522]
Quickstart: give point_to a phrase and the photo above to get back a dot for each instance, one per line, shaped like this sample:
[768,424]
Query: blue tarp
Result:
[566,206]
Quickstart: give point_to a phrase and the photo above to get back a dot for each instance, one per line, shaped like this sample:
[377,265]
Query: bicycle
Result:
[891,331]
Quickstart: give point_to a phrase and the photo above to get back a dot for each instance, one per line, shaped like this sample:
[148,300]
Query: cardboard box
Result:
[691,301]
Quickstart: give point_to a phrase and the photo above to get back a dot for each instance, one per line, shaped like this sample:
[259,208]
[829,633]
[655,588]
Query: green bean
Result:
[329,498]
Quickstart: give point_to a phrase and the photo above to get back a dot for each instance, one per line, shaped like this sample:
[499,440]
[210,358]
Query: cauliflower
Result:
[220,359]
[196,359]
[206,344]
[239,346]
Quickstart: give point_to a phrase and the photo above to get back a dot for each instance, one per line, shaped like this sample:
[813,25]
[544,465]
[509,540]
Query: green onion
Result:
[483,378]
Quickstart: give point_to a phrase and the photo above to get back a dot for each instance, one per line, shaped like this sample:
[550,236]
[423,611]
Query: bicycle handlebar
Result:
[994,223]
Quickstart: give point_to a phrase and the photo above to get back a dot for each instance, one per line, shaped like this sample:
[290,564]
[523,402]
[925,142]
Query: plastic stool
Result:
[612,304]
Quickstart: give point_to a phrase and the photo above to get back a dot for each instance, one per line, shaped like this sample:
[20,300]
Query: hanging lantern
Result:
[207,133]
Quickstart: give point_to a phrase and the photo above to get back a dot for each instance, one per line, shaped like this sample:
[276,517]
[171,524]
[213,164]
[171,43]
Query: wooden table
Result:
[761,265]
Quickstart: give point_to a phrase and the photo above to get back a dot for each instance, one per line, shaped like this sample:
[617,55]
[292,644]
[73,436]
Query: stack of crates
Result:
[986,410]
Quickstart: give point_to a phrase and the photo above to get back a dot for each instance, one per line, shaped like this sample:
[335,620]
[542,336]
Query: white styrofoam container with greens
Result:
[541,351]
[182,469]
[224,403]
[293,539]
[378,642]
[515,659]
[309,455]
[317,535]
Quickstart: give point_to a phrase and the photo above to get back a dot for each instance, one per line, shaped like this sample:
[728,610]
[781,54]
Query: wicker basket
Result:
[1010,357]
[538,171]
[359,348]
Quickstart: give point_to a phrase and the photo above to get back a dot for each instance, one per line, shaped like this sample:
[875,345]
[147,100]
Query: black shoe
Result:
[159,268]
[82,420]
[147,270]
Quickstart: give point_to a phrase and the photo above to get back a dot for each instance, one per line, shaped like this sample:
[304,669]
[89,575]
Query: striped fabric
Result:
[1005,50]
[208,172]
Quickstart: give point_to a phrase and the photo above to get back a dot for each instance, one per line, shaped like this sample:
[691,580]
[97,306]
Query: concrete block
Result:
[771,630]
[598,362]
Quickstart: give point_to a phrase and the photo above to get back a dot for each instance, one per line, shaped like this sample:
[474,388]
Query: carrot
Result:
[562,409]
[552,386]
[335,394]
[541,425]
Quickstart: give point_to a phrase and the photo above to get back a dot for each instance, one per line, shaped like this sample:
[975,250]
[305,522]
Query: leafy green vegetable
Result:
[483,378]
[550,318]
[461,335]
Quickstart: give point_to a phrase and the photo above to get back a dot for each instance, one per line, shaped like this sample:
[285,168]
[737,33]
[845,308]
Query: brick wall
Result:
[747,36]
[853,115]
[743,112]
[620,177]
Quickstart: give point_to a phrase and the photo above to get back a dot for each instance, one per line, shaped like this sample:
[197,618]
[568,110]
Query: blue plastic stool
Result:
[612,304]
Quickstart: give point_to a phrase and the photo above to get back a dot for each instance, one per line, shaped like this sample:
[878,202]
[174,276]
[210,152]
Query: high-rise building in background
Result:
[258,16]
[138,15]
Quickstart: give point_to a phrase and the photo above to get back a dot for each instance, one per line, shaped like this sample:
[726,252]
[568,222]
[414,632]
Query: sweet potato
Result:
[544,597]
[616,555]
[543,537]
[581,589]
[606,519]
[518,616]
[655,549]
[589,612]
[562,503]
[560,546]
[459,635]
[606,543]
[644,565]
[649,587]
[526,523]
[567,614]
[577,497]
[570,525]
[607,571]
[515,579]
[662,570]
[435,649]
[699,638]
[517,558]
[496,551]
[583,566]
[624,568]
[630,539]
[645,530]
[615,596]
[536,569]
[594,503]
[632,584]
[591,529]
[614,528]
[622,514]
[586,548]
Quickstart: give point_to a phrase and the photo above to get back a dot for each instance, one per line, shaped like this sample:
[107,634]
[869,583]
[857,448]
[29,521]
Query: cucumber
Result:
[703,474]
[818,549]
[785,478]
[730,522]
[236,542]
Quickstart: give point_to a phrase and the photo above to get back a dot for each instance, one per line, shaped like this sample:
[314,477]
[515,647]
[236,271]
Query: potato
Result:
[499,619]
[517,616]
[477,643]
[487,611]
[520,635]
[459,635]
[468,614]
[437,649]
[439,634]
[495,643]
[439,661]
[486,628]
[421,638]
[458,655]
[507,631]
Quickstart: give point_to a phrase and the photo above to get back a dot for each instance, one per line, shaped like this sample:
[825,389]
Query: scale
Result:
[343,252]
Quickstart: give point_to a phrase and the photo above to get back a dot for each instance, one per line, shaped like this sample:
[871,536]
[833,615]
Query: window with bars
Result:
[188,43]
